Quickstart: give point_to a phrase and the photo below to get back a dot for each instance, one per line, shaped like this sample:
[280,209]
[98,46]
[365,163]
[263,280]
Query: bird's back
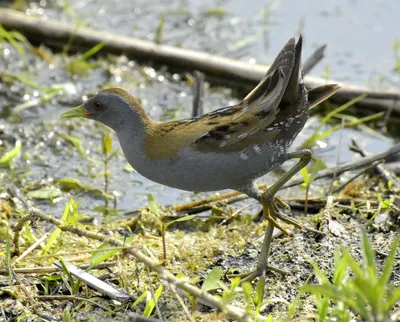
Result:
[233,145]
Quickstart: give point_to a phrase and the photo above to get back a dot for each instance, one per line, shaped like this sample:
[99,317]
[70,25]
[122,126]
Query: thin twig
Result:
[212,199]
[52,269]
[180,300]
[341,187]
[88,251]
[24,289]
[348,166]
[381,169]
[31,248]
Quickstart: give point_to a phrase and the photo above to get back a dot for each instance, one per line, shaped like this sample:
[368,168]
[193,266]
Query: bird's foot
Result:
[272,213]
[261,271]
[291,221]
[258,272]
[272,206]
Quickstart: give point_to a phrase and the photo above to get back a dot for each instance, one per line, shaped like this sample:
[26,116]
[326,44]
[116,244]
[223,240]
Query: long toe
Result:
[261,271]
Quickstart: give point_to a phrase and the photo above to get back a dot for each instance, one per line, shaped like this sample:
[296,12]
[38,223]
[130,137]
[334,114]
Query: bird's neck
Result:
[132,132]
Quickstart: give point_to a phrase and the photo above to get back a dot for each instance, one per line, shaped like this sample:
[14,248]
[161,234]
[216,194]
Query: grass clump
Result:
[356,290]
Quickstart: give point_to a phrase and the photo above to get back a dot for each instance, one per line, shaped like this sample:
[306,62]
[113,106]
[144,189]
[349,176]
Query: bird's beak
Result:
[78,111]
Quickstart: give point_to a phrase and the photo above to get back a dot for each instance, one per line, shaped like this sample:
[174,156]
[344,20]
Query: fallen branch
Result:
[56,34]
[352,165]
[381,169]
[359,174]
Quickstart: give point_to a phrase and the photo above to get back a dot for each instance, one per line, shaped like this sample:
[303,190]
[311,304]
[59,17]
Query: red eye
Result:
[98,105]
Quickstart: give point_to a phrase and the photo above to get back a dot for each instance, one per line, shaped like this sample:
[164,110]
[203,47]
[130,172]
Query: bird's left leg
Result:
[272,212]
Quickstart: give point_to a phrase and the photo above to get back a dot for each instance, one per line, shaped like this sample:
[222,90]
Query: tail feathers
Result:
[321,93]
[283,64]
[293,90]
[264,90]
[282,82]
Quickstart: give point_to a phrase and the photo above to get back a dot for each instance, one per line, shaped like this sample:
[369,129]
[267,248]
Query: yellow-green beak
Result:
[78,111]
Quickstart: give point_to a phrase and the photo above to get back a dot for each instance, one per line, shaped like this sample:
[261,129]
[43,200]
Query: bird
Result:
[228,148]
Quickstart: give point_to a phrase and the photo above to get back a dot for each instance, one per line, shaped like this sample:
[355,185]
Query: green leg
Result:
[271,212]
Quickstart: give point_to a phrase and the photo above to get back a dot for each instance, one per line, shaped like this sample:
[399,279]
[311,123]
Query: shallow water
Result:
[359,38]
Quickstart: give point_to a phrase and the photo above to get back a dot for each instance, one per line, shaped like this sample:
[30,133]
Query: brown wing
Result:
[232,128]
[259,109]
[249,124]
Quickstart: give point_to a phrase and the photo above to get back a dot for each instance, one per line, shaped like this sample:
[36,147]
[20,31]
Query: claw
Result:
[288,220]
[270,217]
[283,204]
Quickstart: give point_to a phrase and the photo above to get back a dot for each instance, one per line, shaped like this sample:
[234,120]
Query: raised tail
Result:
[321,93]
[283,83]
[276,78]
[293,90]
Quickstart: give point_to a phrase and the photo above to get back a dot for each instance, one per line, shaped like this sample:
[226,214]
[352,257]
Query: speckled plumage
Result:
[227,148]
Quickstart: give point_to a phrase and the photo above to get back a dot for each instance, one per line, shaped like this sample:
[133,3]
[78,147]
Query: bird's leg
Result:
[271,211]
[269,199]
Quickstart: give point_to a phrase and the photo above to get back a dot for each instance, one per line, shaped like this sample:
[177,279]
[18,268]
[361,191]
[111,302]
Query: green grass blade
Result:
[322,306]
[216,12]
[68,273]
[212,279]
[106,143]
[185,218]
[9,37]
[53,237]
[318,273]
[330,291]
[305,175]
[340,272]
[293,305]
[140,299]
[153,205]
[369,258]
[392,299]
[159,31]
[92,51]
[314,137]
[335,128]
[8,158]
[102,256]
[152,303]
[259,293]
[387,269]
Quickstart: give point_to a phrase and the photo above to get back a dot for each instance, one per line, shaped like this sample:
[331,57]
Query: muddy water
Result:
[360,42]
